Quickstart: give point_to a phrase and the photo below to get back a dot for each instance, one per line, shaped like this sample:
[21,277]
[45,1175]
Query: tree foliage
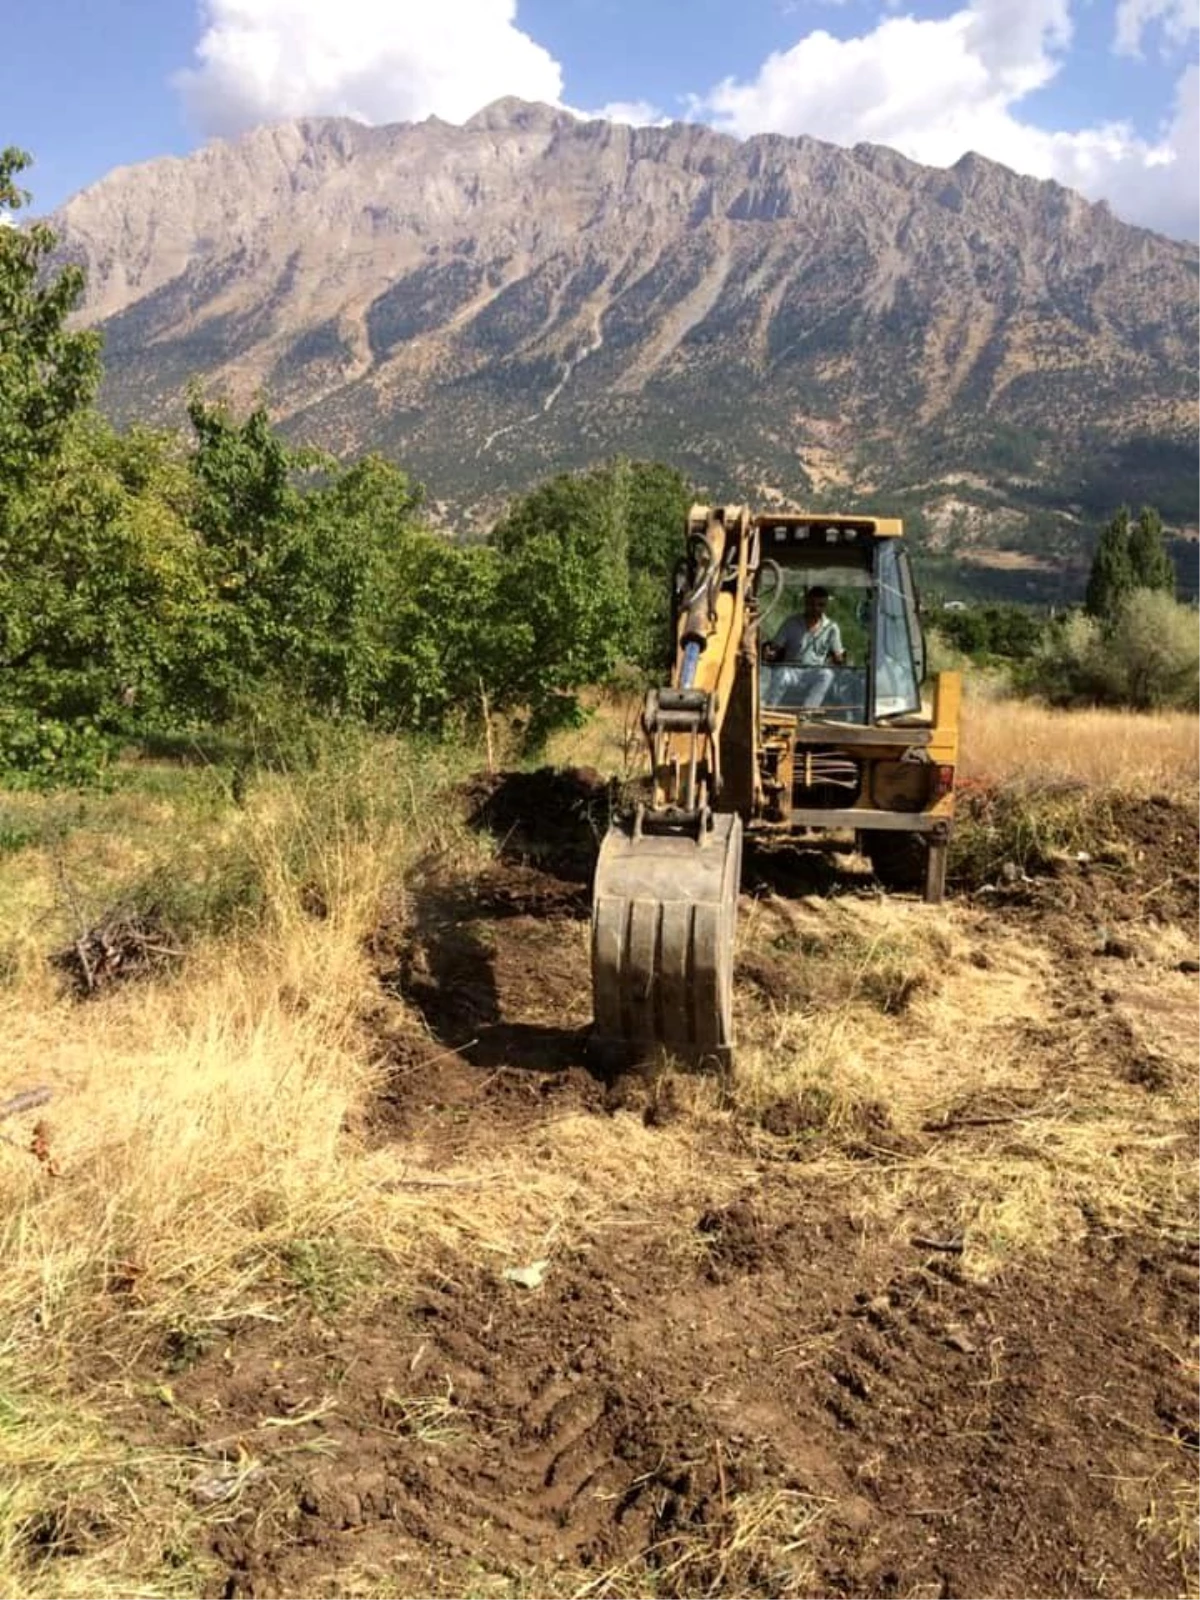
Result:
[69,539]
[301,559]
[48,373]
[997,630]
[1152,565]
[1129,555]
[624,520]
[1147,657]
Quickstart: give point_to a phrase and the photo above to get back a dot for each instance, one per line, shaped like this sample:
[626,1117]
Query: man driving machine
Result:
[811,641]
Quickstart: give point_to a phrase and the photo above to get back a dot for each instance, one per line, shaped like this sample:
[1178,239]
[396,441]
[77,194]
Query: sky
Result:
[1101,95]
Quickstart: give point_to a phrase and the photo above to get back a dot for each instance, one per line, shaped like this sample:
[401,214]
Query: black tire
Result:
[898,859]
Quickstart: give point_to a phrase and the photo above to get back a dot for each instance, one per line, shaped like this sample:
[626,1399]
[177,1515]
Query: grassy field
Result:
[260,1161]
[1015,741]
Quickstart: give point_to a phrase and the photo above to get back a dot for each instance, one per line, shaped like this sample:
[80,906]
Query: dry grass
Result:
[195,1137]
[610,738]
[197,1173]
[759,1541]
[1006,741]
[1046,1162]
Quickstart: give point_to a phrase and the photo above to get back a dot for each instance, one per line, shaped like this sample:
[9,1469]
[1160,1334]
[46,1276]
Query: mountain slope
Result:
[530,292]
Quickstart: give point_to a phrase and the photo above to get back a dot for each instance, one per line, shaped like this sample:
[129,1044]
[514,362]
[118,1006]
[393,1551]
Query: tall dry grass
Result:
[193,1167]
[1005,741]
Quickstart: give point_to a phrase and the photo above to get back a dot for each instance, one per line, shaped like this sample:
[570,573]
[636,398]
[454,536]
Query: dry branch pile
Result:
[125,943]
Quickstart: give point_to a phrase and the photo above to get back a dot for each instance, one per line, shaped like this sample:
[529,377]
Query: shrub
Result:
[1155,652]
[1147,657]
[997,630]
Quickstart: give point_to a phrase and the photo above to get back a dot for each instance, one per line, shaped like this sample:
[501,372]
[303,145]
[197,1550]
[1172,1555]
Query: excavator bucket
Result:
[664,908]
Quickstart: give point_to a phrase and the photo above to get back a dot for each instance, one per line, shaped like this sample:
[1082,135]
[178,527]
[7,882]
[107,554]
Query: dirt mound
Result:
[451,1105]
[1140,861]
[554,818]
[1162,841]
[737,1237]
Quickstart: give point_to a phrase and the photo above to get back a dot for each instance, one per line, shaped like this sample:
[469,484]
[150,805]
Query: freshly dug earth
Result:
[763,1388]
[925,1434]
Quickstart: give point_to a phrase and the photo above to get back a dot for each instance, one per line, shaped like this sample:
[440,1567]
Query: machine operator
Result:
[809,641]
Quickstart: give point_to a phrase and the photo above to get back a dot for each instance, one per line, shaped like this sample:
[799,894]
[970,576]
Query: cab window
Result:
[897,652]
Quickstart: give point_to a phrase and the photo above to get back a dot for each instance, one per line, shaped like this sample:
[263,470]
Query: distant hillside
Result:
[990,354]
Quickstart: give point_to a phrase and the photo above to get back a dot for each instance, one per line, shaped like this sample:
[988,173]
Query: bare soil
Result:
[759,1395]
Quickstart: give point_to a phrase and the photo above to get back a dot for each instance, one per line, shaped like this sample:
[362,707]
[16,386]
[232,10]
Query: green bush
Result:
[1147,657]
[38,752]
[995,630]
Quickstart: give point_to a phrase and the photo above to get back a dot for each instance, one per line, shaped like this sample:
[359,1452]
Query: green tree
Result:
[99,600]
[364,546]
[48,373]
[995,630]
[1112,578]
[1152,566]
[441,636]
[1154,652]
[1146,657]
[78,553]
[626,518]
[249,516]
[559,620]
[311,569]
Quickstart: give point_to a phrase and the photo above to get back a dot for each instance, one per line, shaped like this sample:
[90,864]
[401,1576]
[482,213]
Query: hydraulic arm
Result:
[667,879]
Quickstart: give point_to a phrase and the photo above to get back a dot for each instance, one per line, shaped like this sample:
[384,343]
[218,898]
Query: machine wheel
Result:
[909,862]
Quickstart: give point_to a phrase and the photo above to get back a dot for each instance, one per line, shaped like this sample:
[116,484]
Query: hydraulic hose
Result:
[691,657]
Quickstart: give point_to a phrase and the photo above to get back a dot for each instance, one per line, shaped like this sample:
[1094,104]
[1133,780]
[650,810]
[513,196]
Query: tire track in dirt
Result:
[950,1434]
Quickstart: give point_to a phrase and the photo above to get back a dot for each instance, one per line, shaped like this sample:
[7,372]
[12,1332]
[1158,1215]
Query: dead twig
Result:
[952,1123]
[127,941]
[25,1101]
[995,1119]
[953,1247]
[390,1184]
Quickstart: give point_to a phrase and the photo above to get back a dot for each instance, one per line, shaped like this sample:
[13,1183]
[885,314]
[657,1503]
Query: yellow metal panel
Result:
[947,698]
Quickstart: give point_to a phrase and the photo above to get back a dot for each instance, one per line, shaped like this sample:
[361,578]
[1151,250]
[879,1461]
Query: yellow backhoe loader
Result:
[794,708]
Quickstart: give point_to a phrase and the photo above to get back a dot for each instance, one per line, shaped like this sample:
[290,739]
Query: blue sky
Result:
[1100,94]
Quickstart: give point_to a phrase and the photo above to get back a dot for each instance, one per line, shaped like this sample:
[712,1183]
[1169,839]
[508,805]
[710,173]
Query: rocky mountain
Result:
[530,292]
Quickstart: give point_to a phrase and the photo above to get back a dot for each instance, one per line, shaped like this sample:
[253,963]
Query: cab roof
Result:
[872,527]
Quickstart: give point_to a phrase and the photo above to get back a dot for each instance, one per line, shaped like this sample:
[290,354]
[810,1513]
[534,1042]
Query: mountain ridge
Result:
[530,292]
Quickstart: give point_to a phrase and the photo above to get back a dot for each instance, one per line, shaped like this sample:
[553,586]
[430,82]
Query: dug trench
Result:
[777,1336]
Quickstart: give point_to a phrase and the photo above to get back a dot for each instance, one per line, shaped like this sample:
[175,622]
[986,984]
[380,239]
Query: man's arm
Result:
[836,654]
[776,648]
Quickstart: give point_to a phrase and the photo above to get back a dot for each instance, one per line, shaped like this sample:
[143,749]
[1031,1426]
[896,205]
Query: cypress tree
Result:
[1112,576]
[1152,568]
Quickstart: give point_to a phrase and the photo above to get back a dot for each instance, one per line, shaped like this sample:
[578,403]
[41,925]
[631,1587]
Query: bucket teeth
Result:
[663,914]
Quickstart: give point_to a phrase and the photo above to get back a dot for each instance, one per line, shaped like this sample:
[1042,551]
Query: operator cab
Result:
[871,603]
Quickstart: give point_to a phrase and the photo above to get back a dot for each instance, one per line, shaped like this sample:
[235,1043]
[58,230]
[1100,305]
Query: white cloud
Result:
[924,87]
[1134,17]
[936,88]
[376,60]
[638,113]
